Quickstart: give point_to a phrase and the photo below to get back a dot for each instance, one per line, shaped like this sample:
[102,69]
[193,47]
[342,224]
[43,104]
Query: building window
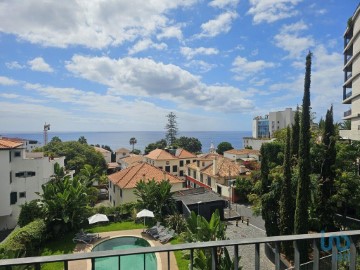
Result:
[114,188]
[22,194]
[110,198]
[120,192]
[181,173]
[181,163]
[209,181]
[17,154]
[174,168]
[201,178]
[114,202]
[187,161]
[194,174]
[167,169]
[13,197]
[25,174]
[10,176]
[9,156]
[167,162]
[188,172]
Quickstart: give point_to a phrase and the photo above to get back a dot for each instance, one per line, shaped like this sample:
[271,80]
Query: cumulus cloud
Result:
[143,77]
[290,39]
[170,32]
[200,66]
[93,24]
[221,24]
[224,3]
[243,67]
[39,64]
[14,65]
[145,44]
[272,10]
[189,53]
[7,81]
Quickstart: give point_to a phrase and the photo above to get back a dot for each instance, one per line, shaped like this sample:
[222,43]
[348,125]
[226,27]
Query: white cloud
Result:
[93,24]
[290,40]
[170,32]
[9,95]
[146,78]
[272,10]
[7,81]
[200,65]
[221,24]
[145,44]
[14,65]
[224,3]
[243,67]
[39,64]
[189,53]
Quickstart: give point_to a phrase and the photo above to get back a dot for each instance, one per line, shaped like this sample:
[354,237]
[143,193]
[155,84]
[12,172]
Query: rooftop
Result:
[160,154]
[243,152]
[101,150]
[182,153]
[195,195]
[7,143]
[132,159]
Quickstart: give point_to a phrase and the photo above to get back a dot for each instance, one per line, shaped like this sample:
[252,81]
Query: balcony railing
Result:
[348,75]
[333,238]
[347,113]
[348,94]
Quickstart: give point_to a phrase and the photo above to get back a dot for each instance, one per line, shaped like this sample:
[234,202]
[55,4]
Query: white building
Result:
[281,119]
[255,144]
[106,154]
[29,145]
[351,86]
[21,177]
[244,154]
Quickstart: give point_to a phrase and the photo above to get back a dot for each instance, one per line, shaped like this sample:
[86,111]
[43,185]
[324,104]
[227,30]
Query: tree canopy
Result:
[161,144]
[171,128]
[223,146]
[190,144]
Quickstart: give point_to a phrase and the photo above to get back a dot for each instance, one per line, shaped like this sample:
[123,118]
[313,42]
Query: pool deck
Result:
[86,264]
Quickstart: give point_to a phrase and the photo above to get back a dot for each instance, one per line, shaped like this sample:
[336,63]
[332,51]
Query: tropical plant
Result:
[243,187]
[190,144]
[171,128]
[161,144]
[30,211]
[132,142]
[176,222]
[223,146]
[82,140]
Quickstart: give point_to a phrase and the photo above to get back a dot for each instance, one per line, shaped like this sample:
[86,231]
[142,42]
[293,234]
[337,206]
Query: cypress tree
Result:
[286,199]
[295,135]
[303,187]
[171,129]
[325,207]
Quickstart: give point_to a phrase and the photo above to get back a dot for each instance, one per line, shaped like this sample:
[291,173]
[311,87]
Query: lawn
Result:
[65,245]
[183,264]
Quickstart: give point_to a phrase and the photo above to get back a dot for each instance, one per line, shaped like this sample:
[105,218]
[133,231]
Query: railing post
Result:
[352,253]
[144,261]
[334,254]
[66,265]
[93,263]
[213,258]
[296,255]
[315,247]
[191,259]
[277,256]
[119,261]
[168,253]
[37,266]
[236,257]
[257,256]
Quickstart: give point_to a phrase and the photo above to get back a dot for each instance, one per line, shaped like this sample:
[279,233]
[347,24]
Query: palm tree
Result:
[133,141]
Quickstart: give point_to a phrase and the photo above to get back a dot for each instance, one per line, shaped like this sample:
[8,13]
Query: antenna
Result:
[46,128]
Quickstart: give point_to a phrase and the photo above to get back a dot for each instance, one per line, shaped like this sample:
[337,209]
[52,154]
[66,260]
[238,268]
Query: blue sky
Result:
[124,65]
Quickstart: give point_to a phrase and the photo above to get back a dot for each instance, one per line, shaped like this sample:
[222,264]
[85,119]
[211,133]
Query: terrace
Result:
[335,238]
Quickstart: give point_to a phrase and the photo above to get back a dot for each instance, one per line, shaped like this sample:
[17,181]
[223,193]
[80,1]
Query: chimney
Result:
[164,173]
[215,168]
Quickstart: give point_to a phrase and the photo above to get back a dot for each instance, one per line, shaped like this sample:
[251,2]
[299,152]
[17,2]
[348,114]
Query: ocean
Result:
[116,140]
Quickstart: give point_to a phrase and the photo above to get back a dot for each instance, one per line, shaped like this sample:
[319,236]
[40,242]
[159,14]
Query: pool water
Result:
[126,262]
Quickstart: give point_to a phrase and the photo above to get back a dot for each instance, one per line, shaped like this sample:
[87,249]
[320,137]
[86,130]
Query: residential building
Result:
[106,153]
[22,174]
[214,172]
[260,128]
[130,160]
[172,161]
[242,154]
[122,153]
[29,145]
[351,86]
[280,119]
[122,183]
[255,144]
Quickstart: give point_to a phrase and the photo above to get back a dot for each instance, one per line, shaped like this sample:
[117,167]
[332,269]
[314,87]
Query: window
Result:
[17,154]
[203,164]
[201,178]
[20,174]
[114,202]
[114,188]
[13,197]
[181,163]
[22,194]
[194,174]
[174,168]
[209,181]
[181,173]
[25,174]
[167,162]
[10,176]
[31,173]
[187,161]
[188,172]
[167,169]
[110,198]
[120,192]
[9,156]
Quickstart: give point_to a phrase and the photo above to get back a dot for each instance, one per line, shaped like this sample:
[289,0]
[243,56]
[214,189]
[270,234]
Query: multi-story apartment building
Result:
[260,128]
[351,86]
[172,161]
[29,145]
[21,174]
[280,119]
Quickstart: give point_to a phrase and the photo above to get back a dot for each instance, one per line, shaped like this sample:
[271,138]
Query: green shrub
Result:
[25,241]
[29,212]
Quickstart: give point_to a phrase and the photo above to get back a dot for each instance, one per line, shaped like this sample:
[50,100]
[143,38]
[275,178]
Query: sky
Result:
[124,65]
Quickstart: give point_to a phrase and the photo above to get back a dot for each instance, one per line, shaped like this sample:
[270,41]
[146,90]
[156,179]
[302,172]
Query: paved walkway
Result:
[161,257]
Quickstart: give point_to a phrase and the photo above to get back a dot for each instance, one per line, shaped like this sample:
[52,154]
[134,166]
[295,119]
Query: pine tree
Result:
[171,128]
[325,207]
[286,199]
[295,135]
[303,188]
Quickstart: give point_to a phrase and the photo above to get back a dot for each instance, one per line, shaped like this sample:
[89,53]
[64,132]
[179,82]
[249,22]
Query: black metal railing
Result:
[347,113]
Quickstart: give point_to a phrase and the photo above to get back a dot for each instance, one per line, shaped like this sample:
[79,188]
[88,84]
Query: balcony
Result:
[347,113]
[348,94]
[349,251]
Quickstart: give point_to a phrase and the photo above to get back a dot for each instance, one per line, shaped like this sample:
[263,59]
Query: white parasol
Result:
[145,213]
[97,218]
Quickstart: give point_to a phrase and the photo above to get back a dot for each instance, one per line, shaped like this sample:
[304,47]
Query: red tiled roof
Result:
[101,150]
[182,153]
[129,177]
[9,144]
[243,152]
[160,154]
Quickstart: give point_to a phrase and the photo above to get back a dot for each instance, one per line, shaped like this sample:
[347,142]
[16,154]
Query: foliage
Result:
[89,175]
[76,153]
[82,140]
[182,259]
[132,142]
[275,154]
[303,188]
[146,191]
[29,212]
[295,133]
[280,135]
[176,222]
[346,124]
[223,146]
[243,187]
[171,128]
[190,144]
[136,151]
[156,145]
[25,241]
[64,203]
[287,205]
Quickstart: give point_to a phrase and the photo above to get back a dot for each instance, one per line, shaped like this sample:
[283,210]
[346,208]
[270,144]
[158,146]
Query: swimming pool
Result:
[126,262]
